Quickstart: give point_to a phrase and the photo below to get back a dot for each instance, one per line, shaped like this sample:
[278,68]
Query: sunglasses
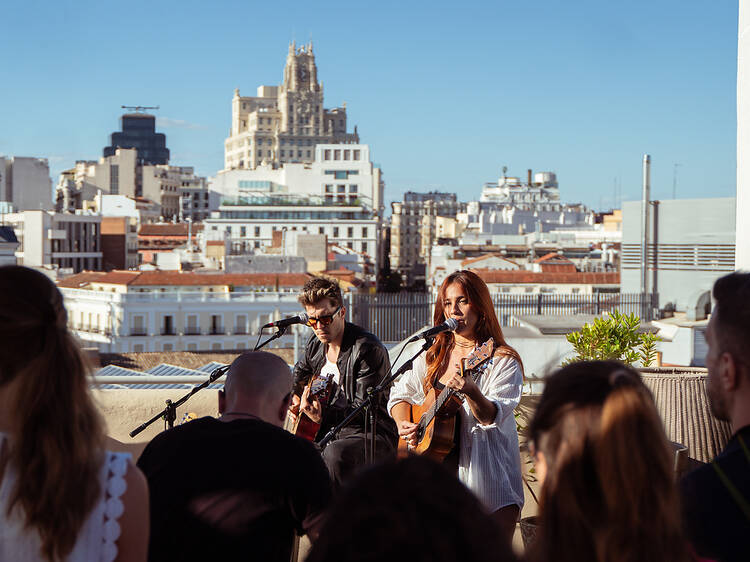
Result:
[323,320]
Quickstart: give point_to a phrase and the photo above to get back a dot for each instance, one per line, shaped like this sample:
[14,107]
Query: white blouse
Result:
[97,538]
[489,458]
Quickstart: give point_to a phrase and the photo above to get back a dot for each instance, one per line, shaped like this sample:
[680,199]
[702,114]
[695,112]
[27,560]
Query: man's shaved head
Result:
[257,382]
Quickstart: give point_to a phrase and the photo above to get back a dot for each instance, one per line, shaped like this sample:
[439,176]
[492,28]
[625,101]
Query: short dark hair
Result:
[319,288]
[408,509]
[732,296]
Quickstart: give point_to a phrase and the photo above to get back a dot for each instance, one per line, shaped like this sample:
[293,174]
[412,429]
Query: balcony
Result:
[239,330]
[217,331]
[139,332]
[168,332]
[192,331]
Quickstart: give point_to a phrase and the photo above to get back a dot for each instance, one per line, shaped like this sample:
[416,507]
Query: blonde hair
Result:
[57,436]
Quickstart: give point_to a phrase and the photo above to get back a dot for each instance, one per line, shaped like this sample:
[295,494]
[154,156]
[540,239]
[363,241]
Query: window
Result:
[350,232]
[114,179]
[308,154]
[350,245]
[216,345]
[321,230]
[192,347]
[364,247]
[335,231]
[167,347]
[340,188]
[256,244]
[282,154]
[337,155]
[364,232]
[355,155]
[299,154]
[353,188]
[257,231]
[243,231]
[326,154]
[329,188]
[138,348]
[346,155]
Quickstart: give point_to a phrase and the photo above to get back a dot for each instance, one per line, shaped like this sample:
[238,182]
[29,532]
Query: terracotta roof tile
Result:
[194,279]
[168,229]
[499,276]
[553,256]
[80,279]
[469,261]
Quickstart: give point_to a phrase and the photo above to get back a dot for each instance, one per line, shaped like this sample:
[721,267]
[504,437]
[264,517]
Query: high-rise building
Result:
[284,123]
[413,230]
[139,132]
[25,183]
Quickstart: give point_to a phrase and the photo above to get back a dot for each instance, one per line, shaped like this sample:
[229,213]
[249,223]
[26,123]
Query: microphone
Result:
[284,322]
[449,325]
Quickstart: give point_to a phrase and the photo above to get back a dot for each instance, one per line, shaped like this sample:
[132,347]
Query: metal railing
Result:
[394,316]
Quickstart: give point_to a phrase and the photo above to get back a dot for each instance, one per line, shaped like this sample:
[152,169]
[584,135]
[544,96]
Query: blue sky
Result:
[445,93]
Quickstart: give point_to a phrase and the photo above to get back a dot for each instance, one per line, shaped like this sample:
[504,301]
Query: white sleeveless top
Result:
[97,537]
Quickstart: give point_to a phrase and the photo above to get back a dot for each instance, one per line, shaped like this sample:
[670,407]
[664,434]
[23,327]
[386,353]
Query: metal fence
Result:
[394,316]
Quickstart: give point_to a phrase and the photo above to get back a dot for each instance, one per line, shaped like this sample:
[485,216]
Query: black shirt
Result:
[715,524]
[233,490]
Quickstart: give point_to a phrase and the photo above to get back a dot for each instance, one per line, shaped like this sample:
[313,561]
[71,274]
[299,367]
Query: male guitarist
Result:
[356,361]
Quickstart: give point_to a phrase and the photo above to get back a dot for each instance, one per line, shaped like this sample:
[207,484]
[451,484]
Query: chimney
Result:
[529,180]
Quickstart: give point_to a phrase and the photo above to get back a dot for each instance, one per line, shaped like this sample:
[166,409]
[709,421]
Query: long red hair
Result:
[487,326]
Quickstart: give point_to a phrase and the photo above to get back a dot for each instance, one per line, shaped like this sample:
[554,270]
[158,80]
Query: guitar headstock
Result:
[479,356]
[320,384]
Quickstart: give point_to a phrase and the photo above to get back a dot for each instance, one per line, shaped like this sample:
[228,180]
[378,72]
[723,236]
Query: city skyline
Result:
[444,97]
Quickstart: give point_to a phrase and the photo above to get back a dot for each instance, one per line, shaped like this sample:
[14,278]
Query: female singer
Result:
[486,452]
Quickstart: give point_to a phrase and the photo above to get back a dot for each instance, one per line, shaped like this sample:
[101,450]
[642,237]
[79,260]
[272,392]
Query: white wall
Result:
[742,249]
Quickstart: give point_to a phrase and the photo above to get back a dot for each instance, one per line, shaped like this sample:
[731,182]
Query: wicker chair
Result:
[680,396]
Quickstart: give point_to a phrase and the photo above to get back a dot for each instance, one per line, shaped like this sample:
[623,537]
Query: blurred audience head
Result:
[606,469]
[55,434]
[411,509]
[728,357]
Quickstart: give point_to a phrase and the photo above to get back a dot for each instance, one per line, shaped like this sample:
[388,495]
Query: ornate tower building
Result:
[284,123]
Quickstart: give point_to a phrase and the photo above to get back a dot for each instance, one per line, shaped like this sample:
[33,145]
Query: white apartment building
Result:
[339,194]
[132,311]
[284,123]
[63,241]
[25,183]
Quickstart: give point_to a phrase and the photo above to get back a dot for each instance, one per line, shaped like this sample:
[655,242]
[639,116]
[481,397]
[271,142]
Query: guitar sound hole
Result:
[420,431]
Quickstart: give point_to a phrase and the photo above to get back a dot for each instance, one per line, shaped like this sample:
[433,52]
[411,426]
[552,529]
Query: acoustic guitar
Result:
[437,414]
[320,388]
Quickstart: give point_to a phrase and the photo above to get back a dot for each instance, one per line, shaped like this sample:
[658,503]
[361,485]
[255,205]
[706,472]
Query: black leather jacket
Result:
[362,363]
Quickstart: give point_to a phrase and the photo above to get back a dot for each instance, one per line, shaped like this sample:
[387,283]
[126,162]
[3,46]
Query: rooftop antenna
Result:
[139,108]
[674,181]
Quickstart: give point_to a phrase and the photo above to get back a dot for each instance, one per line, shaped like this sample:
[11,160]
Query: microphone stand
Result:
[369,402]
[277,334]
[169,414]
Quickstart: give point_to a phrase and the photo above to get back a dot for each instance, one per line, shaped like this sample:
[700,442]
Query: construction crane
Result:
[139,108]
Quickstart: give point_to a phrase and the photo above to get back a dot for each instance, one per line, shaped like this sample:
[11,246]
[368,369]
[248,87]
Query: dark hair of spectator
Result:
[732,295]
[609,492]
[411,510]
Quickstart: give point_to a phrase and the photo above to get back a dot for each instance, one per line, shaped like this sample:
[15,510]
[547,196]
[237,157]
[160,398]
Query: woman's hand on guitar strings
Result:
[311,406]
[464,385]
[408,432]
